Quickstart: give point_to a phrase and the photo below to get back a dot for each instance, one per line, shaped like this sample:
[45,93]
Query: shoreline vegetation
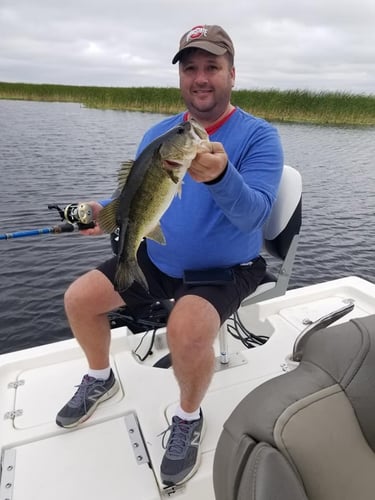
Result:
[298,106]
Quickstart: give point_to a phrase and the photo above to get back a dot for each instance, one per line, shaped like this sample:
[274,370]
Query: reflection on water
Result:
[61,153]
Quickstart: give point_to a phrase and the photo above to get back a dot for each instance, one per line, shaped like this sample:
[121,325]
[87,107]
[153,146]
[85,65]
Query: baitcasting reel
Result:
[76,213]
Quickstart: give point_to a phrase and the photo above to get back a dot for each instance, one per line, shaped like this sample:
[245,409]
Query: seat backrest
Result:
[310,433]
[281,235]
[285,219]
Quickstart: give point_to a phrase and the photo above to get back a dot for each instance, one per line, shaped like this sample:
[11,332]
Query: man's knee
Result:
[74,296]
[85,290]
[92,293]
[193,322]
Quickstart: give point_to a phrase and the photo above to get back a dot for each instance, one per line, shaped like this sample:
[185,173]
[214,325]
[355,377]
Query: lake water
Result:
[62,153]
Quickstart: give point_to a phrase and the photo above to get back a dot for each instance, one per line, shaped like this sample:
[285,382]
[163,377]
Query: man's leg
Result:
[192,328]
[87,302]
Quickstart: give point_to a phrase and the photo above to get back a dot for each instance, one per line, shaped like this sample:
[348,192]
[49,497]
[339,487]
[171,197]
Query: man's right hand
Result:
[93,231]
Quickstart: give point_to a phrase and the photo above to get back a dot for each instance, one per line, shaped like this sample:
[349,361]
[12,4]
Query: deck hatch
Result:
[93,462]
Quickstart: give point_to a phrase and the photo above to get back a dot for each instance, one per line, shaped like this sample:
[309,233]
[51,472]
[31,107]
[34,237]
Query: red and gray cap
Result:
[213,39]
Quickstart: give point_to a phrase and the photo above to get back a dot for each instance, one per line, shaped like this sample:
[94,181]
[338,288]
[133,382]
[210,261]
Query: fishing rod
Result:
[62,228]
[75,215]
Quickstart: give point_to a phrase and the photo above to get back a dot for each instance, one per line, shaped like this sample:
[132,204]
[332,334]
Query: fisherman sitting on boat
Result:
[214,224]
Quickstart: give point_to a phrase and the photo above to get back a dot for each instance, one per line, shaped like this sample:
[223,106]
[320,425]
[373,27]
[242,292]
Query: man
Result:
[217,223]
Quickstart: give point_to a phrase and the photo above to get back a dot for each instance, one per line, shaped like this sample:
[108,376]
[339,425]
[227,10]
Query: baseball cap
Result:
[211,38]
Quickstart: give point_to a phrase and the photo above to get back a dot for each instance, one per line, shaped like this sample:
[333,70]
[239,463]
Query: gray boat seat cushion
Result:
[309,433]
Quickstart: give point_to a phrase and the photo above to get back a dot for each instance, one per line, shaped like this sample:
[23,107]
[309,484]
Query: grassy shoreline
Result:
[299,106]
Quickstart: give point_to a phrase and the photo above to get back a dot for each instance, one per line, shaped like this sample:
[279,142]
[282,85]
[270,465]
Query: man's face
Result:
[206,83]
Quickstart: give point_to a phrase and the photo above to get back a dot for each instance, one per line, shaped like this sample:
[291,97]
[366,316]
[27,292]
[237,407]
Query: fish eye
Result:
[180,130]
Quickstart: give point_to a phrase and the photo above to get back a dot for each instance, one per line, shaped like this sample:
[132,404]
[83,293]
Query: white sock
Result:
[184,415]
[102,374]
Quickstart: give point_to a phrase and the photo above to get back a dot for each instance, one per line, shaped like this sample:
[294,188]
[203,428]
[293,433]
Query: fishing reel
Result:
[76,213]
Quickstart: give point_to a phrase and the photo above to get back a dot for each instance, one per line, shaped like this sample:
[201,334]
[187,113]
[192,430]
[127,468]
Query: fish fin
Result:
[174,178]
[157,235]
[179,189]
[123,173]
[107,217]
[127,273]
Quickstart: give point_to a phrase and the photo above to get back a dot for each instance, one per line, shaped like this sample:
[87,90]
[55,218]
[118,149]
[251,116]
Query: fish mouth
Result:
[171,164]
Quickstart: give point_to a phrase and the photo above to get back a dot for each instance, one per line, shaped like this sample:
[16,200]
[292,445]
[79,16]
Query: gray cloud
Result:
[320,45]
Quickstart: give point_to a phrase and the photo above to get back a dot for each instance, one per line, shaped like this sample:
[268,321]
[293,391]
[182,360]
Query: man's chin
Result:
[203,105]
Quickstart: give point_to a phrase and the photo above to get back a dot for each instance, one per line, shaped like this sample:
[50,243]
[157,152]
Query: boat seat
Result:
[280,236]
[308,434]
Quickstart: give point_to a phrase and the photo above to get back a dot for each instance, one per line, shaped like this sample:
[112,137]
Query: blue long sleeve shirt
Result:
[220,224]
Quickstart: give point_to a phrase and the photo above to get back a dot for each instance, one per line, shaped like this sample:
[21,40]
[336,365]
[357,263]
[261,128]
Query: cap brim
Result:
[204,45]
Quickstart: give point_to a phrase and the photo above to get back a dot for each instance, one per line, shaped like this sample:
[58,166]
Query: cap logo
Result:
[196,32]
[210,38]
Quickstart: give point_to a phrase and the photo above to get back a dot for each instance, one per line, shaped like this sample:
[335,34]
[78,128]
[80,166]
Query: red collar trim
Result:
[213,128]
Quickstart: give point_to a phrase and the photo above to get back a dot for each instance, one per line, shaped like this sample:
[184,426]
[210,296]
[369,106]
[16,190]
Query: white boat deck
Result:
[105,458]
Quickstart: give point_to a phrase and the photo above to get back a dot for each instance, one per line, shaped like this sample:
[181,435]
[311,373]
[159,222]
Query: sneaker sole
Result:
[107,395]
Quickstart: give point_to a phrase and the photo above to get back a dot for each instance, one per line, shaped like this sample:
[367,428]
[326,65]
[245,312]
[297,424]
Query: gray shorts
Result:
[226,298]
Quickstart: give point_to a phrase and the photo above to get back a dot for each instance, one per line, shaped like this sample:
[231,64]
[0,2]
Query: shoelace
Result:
[80,395]
[179,437]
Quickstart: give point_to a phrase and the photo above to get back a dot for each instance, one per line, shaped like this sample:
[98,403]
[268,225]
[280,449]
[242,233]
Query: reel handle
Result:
[76,213]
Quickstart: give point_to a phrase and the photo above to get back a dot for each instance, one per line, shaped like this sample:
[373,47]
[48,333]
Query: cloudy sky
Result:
[284,44]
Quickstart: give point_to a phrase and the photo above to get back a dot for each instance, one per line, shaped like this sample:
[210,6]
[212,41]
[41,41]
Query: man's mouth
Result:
[202,91]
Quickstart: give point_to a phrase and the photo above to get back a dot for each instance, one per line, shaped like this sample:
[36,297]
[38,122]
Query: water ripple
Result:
[62,153]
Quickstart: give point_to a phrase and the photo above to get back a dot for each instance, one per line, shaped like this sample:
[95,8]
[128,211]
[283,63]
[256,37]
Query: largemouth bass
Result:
[147,187]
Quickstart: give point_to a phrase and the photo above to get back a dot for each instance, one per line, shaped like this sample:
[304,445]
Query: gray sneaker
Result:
[91,391]
[181,458]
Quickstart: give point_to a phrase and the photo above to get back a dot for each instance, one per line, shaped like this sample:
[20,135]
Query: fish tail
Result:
[127,273]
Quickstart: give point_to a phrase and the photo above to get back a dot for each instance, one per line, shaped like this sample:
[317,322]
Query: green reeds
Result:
[150,99]
[331,108]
